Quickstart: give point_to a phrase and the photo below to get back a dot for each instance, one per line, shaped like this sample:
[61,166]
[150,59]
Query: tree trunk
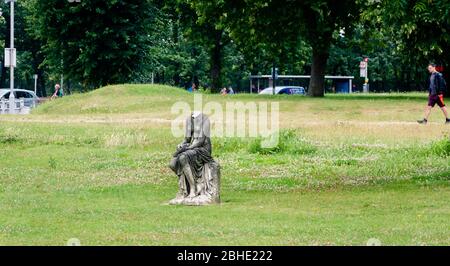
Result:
[216,63]
[41,85]
[176,76]
[176,32]
[3,78]
[319,64]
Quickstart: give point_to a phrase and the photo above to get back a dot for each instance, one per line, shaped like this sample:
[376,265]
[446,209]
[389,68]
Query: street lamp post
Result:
[12,59]
[35,76]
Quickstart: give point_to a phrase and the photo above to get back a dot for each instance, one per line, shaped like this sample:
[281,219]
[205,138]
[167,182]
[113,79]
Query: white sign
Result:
[10,57]
[363,69]
[363,64]
[362,73]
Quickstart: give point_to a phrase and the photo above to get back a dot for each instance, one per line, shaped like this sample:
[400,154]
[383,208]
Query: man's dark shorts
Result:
[436,99]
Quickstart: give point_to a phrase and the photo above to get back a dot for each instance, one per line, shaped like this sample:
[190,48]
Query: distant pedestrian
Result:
[230,90]
[436,88]
[193,88]
[224,91]
[58,92]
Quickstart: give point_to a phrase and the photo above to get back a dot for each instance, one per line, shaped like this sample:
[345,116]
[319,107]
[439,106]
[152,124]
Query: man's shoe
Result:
[424,121]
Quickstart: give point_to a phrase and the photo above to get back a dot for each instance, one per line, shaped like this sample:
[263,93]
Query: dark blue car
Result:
[288,90]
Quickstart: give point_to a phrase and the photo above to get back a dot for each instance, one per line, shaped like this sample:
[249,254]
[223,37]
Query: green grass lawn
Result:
[94,167]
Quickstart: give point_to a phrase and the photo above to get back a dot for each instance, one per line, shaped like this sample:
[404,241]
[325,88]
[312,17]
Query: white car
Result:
[30,99]
[288,90]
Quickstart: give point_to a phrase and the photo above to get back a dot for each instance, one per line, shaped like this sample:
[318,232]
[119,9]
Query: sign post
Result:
[362,69]
[35,83]
[274,78]
[364,73]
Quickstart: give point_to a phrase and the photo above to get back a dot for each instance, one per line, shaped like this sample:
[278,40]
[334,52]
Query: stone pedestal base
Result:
[208,188]
[195,201]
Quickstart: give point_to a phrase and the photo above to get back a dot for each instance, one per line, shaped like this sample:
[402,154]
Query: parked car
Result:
[289,90]
[29,97]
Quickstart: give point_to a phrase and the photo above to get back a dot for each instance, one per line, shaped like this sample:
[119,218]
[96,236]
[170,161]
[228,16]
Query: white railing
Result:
[18,108]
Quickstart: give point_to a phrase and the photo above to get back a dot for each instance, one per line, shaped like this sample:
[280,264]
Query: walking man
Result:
[436,89]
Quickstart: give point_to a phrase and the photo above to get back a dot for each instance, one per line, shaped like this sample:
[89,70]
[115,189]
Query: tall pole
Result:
[62,83]
[350,86]
[62,72]
[366,81]
[273,79]
[12,100]
[35,83]
[367,77]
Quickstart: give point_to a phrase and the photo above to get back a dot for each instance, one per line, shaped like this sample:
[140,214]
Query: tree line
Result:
[219,43]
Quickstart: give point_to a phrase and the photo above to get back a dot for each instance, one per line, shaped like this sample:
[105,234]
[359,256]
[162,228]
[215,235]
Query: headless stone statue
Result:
[198,173]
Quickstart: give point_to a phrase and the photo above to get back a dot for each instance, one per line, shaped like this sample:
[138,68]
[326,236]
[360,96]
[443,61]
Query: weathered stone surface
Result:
[198,173]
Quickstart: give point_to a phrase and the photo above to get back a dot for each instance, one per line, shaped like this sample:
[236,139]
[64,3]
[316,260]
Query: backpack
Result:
[60,93]
[441,85]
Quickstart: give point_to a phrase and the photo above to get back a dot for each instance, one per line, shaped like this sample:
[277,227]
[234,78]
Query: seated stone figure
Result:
[198,173]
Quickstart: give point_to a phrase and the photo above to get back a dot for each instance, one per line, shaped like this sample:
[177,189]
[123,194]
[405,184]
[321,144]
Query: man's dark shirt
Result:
[432,88]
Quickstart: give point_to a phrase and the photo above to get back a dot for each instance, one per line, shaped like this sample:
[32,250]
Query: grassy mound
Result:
[157,99]
[124,98]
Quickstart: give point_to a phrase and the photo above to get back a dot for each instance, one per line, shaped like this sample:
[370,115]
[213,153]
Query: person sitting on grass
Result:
[224,91]
[436,88]
[58,92]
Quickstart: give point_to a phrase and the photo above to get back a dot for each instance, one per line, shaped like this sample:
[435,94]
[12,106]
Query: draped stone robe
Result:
[195,166]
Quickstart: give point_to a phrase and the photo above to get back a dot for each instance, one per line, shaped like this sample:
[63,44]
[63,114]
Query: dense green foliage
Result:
[95,42]
[219,43]
[284,26]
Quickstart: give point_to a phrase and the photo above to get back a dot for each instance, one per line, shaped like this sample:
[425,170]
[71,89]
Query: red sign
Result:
[366,59]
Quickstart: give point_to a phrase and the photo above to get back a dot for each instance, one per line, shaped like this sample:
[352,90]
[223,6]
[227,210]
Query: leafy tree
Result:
[369,41]
[95,42]
[421,28]
[209,32]
[178,59]
[29,56]
[280,26]
[218,43]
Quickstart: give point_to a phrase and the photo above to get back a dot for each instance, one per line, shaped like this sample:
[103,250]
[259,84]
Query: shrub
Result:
[231,145]
[288,142]
[442,147]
